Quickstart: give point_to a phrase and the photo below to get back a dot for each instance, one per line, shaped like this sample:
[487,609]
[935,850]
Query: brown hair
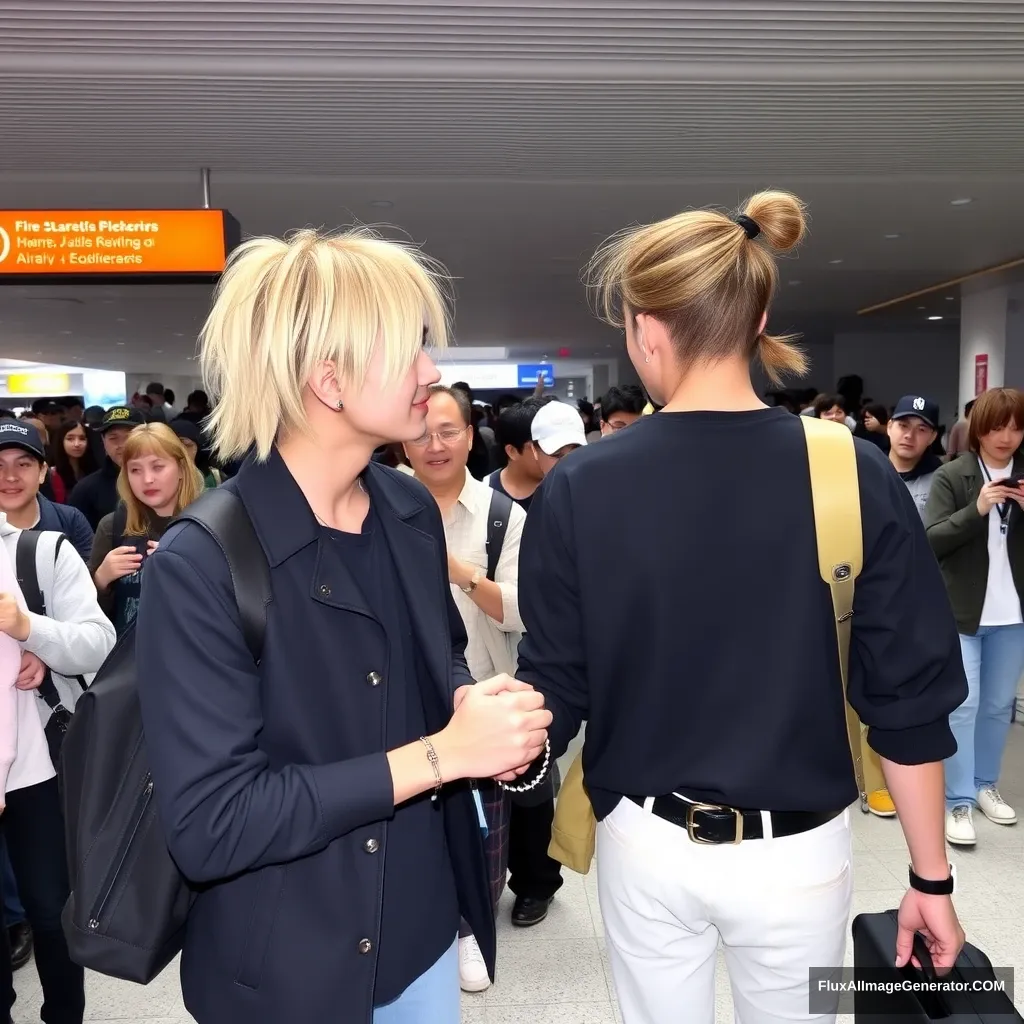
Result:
[993,410]
[155,439]
[702,275]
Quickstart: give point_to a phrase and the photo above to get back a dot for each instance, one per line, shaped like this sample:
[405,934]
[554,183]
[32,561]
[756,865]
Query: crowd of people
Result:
[458,587]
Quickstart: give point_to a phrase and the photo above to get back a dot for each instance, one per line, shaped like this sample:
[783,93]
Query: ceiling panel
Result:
[510,138]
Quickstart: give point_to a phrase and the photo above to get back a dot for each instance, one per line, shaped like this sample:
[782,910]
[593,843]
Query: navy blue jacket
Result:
[271,781]
[69,521]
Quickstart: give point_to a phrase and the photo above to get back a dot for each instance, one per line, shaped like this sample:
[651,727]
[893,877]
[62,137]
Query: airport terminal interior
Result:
[509,140]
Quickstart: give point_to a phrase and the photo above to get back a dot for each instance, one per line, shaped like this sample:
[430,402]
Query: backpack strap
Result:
[835,491]
[28,575]
[498,515]
[223,516]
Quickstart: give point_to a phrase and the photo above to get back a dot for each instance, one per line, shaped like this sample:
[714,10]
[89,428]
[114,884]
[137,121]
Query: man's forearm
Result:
[919,793]
[488,598]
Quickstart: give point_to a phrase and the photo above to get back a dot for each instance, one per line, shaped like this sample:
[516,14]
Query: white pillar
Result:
[983,314]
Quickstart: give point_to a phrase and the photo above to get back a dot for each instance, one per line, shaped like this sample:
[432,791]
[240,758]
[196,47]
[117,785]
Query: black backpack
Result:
[129,903]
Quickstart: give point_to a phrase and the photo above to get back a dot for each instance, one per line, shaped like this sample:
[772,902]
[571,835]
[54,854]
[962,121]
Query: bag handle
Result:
[835,492]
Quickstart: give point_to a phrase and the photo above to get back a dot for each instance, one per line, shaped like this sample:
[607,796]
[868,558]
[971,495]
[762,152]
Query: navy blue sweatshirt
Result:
[689,626]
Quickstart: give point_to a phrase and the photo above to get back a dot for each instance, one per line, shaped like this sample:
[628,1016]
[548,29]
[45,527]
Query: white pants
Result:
[780,906]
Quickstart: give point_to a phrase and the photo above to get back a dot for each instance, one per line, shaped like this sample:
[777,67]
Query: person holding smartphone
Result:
[157,480]
[974,524]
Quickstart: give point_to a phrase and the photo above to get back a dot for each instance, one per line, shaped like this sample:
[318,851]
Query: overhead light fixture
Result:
[892,235]
[835,262]
[951,298]
[935,318]
[922,308]
[961,202]
[381,204]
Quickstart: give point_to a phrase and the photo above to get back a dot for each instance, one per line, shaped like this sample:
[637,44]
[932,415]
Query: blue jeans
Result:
[994,662]
[433,998]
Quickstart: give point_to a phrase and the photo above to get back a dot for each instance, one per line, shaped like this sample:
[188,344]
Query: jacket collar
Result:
[970,467]
[285,523]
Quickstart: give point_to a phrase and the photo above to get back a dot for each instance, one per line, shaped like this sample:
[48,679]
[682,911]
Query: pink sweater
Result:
[24,756]
[10,664]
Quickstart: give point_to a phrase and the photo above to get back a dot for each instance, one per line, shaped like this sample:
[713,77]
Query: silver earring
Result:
[647,358]
[341,405]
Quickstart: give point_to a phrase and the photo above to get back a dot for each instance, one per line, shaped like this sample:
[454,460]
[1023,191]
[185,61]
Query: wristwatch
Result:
[945,887]
[473,583]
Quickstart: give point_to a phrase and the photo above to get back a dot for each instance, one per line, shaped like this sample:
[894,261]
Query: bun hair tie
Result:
[752,228]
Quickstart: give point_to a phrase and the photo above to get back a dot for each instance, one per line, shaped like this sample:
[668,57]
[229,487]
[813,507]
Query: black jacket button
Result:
[325,591]
[365,945]
[375,679]
[371,846]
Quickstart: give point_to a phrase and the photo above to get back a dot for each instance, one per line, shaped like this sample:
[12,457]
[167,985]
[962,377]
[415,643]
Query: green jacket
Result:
[959,537]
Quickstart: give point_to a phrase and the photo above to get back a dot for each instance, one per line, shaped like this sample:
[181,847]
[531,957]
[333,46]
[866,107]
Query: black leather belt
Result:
[714,825]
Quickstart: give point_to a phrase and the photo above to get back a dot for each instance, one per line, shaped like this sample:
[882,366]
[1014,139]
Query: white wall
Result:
[983,327]
[1013,369]
[893,364]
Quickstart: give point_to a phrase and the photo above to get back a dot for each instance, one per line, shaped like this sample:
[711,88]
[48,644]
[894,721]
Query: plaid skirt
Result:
[496,804]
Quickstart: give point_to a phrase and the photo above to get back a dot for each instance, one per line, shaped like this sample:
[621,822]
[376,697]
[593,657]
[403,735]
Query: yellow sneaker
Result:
[880,803]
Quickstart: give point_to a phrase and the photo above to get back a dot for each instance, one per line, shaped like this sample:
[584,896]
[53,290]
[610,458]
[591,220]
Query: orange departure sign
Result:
[75,243]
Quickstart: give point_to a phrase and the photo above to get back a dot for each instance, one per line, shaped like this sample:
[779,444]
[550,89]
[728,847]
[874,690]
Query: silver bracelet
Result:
[511,788]
[435,764]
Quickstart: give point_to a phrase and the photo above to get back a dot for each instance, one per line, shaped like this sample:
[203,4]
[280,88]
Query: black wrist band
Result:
[944,887]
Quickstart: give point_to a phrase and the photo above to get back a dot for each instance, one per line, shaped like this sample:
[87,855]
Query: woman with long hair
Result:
[976,529]
[317,796]
[157,480]
[73,457]
[717,757]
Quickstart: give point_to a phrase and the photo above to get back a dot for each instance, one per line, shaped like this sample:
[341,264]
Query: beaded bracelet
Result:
[540,776]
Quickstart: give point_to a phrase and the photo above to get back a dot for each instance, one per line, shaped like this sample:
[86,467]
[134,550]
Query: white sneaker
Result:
[995,808]
[960,826]
[472,969]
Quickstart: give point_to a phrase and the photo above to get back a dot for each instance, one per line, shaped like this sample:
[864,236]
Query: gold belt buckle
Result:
[691,827]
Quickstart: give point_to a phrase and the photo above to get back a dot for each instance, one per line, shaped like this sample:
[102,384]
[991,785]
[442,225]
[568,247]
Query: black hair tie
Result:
[752,228]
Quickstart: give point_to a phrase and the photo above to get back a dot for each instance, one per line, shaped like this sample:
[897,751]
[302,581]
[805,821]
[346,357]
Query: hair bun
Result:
[780,216]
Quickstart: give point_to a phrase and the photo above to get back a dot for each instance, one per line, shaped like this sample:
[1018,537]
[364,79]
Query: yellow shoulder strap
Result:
[835,492]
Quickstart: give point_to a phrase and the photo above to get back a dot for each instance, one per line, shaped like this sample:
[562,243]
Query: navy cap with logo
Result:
[922,408]
[121,416]
[19,434]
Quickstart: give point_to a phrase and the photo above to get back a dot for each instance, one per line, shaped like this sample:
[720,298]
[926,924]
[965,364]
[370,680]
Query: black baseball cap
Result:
[922,408]
[19,434]
[121,416]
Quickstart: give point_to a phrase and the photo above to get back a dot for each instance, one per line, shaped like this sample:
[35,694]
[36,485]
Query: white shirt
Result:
[1002,602]
[465,529]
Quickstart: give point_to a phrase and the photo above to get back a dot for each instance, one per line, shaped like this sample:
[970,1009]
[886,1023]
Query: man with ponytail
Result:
[717,756]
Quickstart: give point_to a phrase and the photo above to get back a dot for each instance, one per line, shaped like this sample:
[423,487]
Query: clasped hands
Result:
[497,731]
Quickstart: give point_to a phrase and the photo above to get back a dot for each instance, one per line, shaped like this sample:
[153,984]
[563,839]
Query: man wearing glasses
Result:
[489,607]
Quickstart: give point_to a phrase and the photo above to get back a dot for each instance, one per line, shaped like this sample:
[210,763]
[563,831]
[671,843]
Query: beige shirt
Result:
[465,528]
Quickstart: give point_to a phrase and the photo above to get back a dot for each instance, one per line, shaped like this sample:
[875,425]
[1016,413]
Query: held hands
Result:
[13,621]
[30,676]
[499,725]
[122,561]
[935,918]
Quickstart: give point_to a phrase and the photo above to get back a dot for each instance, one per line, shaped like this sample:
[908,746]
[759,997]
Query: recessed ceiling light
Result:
[893,234]
[120,343]
[381,204]
[935,318]
[834,262]
[922,307]
[159,351]
[794,282]
[65,332]
[961,202]
[120,319]
[951,298]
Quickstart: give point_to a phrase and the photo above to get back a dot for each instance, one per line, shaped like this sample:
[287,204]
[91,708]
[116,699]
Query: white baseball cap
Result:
[556,425]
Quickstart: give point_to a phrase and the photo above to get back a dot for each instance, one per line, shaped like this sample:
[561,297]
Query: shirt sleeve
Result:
[552,656]
[506,574]
[223,808]
[75,637]
[906,671]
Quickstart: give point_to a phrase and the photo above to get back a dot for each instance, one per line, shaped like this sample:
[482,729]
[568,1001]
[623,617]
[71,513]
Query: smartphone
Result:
[1011,481]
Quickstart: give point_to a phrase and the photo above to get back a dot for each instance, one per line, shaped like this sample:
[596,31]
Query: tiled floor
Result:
[556,973]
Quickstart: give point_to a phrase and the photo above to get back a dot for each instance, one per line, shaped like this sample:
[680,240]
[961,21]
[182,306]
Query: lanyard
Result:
[1004,510]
